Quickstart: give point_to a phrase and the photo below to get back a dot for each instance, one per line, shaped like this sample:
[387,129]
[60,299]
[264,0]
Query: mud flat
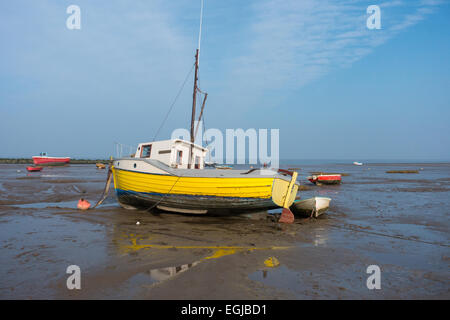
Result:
[402,171]
[170,256]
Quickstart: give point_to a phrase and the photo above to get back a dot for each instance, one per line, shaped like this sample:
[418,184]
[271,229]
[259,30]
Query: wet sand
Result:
[398,222]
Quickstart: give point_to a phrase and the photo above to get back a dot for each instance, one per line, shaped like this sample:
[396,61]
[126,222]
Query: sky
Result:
[310,68]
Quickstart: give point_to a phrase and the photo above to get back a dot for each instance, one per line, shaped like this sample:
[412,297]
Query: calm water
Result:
[399,222]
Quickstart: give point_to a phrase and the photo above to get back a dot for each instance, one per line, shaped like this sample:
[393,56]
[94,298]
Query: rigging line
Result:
[174,101]
[204,128]
[198,88]
[201,114]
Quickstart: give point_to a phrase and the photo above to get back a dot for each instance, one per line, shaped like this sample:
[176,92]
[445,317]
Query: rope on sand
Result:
[389,235]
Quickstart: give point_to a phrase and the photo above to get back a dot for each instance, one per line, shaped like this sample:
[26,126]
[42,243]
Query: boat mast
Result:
[194,95]
[194,99]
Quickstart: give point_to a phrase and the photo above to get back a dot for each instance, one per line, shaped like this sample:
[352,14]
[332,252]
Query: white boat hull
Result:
[312,207]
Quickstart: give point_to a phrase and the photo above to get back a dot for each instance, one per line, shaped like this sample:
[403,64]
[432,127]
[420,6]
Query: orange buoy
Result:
[83,204]
[100,166]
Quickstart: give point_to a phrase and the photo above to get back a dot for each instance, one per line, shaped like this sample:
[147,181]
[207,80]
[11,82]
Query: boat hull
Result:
[199,194]
[51,161]
[312,207]
[325,179]
[191,204]
[34,169]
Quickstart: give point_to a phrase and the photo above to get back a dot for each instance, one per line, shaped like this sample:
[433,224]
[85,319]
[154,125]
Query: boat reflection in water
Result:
[321,237]
[158,275]
[153,277]
[130,243]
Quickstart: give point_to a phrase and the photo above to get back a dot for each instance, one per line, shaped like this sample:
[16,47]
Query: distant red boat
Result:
[31,169]
[43,159]
[325,179]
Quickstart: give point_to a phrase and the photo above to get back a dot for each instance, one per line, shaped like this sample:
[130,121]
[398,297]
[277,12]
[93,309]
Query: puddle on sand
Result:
[280,277]
[154,276]
[130,244]
[302,284]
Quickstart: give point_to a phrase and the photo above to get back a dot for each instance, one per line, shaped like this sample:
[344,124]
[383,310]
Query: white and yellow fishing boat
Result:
[170,175]
[158,176]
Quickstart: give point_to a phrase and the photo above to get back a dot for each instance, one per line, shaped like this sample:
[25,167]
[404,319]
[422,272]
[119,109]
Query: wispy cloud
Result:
[295,42]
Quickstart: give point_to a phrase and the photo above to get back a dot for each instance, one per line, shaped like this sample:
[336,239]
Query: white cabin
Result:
[174,153]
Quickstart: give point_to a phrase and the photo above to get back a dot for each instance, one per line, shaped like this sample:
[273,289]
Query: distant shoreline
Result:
[283,163]
[30,161]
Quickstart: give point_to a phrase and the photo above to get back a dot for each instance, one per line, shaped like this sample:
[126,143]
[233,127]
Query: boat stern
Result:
[279,189]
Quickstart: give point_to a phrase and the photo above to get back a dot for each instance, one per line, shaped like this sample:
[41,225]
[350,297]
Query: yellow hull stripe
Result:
[246,187]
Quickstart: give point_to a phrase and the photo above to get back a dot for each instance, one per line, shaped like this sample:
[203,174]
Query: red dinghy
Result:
[31,169]
[43,159]
[325,179]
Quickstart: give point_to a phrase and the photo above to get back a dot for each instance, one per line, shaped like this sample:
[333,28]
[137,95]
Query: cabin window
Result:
[197,162]
[146,151]
[179,157]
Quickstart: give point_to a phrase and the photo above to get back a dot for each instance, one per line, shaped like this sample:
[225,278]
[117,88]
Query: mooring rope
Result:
[389,235]
[165,195]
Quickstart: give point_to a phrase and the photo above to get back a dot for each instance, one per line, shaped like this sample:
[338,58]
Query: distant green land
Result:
[30,161]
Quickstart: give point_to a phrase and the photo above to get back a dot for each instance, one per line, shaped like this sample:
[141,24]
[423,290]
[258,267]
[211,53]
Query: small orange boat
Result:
[32,169]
